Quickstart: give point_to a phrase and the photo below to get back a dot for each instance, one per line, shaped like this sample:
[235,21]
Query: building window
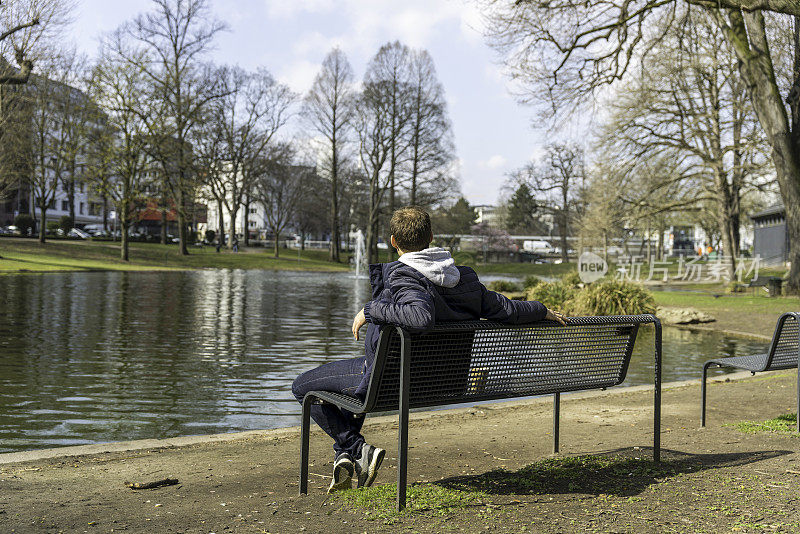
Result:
[52,204]
[253,210]
[252,223]
[65,205]
[95,209]
[81,208]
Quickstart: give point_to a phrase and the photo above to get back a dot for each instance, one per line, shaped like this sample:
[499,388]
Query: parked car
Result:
[77,232]
[540,247]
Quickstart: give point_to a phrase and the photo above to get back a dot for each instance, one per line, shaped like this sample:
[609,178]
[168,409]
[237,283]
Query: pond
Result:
[100,357]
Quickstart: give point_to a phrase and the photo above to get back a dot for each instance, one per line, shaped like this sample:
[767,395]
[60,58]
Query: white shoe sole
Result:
[344,476]
[374,465]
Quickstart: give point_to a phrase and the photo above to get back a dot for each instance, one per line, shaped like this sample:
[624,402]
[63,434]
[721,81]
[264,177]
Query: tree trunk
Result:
[220,224]
[182,224]
[563,231]
[247,221]
[234,212]
[163,226]
[42,222]
[124,224]
[183,234]
[71,199]
[747,34]
[335,238]
[105,213]
[372,224]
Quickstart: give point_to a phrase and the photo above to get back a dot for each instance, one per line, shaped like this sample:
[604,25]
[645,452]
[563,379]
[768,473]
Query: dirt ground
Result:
[716,479]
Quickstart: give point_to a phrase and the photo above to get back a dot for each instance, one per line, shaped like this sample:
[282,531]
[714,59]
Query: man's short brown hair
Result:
[411,228]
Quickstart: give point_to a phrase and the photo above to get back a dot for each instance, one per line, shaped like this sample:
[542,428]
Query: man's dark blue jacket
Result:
[403,296]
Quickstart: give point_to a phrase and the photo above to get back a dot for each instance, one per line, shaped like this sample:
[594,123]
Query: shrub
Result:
[612,297]
[52,226]
[531,281]
[504,286]
[66,224]
[24,223]
[572,278]
[210,235]
[554,295]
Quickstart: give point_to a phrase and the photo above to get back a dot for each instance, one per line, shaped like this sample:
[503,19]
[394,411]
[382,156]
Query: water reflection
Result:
[97,357]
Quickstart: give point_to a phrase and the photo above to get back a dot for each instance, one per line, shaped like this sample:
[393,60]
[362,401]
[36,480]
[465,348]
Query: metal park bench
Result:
[784,353]
[475,361]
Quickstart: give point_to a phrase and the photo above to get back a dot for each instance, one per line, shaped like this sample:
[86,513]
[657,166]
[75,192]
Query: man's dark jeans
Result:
[341,376]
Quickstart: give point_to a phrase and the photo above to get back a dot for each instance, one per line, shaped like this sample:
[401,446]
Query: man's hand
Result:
[358,322]
[551,316]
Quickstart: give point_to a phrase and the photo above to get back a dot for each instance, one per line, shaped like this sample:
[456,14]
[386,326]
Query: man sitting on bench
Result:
[423,286]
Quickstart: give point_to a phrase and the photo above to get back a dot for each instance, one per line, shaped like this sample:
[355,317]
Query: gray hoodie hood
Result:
[436,264]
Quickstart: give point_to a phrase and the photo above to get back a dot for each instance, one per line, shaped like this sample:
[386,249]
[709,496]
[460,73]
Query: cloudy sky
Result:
[291,37]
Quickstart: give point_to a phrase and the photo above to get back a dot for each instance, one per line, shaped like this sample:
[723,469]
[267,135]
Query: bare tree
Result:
[692,104]
[558,178]
[119,86]
[210,165]
[169,44]
[27,28]
[328,108]
[431,147]
[280,186]
[53,102]
[78,116]
[375,129]
[251,111]
[390,71]
[565,50]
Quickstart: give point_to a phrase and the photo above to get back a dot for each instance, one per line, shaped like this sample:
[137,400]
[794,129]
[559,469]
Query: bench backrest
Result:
[785,346]
[482,360]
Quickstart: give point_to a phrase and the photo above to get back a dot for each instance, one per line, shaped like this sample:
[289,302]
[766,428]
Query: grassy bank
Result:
[743,313]
[27,255]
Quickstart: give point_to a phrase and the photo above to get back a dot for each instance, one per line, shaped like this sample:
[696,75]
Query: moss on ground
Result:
[782,423]
[380,501]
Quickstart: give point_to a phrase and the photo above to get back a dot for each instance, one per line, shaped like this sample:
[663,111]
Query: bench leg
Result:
[657,394]
[703,395]
[402,427]
[556,418]
[305,424]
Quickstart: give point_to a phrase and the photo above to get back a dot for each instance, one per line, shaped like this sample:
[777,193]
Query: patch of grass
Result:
[782,423]
[380,501]
[725,303]
[612,475]
[27,255]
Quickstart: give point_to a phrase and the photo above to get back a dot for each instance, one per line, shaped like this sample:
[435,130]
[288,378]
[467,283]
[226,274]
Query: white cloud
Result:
[495,162]
[290,8]
[299,75]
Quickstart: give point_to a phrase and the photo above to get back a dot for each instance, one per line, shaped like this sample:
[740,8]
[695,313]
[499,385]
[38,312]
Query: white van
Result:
[540,247]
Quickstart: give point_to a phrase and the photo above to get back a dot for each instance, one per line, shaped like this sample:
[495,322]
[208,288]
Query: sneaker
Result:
[343,471]
[367,465]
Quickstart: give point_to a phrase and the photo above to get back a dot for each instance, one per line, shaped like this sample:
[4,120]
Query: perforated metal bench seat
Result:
[784,353]
[477,361]
[753,362]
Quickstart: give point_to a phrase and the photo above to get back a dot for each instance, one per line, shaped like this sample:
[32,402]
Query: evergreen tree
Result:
[522,209]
